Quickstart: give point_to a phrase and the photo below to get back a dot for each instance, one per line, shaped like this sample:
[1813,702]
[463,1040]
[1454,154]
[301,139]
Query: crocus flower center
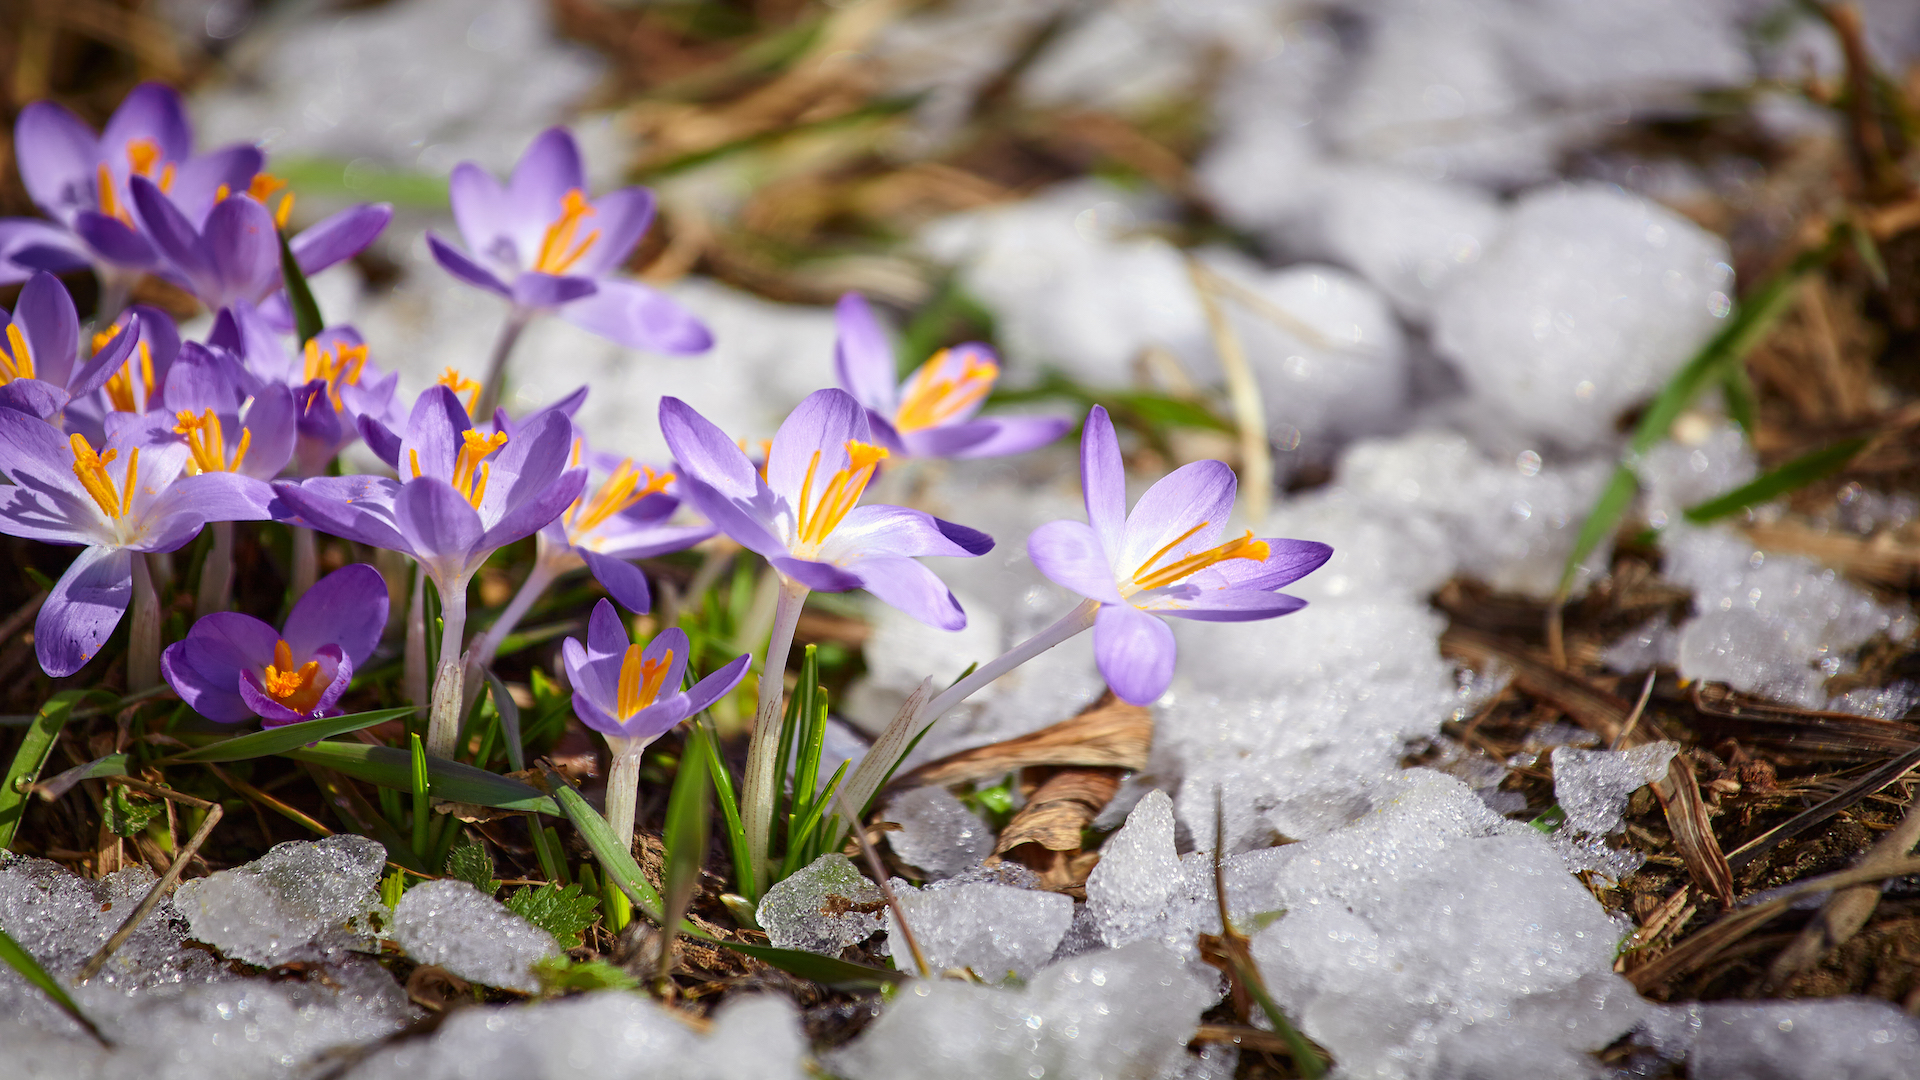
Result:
[90,469]
[932,397]
[339,366]
[816,521]
[640,680]
[19,364]
[299,688]
[207,441]
[142,155]
[558,249]
[621,489]
[470,468]
[1245,547]
[261,188]
[127,390]
[460,384]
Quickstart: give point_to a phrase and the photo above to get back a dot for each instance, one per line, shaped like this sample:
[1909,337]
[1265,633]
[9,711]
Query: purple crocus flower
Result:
[129,496]
[235,254]
[81,181]
[1165,558]
[332,381]
[632,693]
[542,244]
[628,516]
[803,515]
[232,666]
[931,414]
[40,349]
[206,391]
[466,494]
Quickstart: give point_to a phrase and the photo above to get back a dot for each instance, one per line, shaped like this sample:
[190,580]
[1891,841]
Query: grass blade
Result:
[277,740]
[422,801]
[307,323]
[736,832]
[31,758]
[23,962]
[688,817]
[1790,477]
[503,704]
[450,780]
[624,872]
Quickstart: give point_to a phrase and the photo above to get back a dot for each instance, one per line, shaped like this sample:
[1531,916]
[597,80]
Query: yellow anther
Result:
[932,397]
[460,384]
[142,155]
[90,469]
[640,680]
[1245,547]
[166,178]
[284,211]
[207,442]
[121,388]
[618,491]
[104,195]
[298,689]
[558,251]
[816,522]
[263,185]
[340,365]
[19,365]
[470,470]
[220,193]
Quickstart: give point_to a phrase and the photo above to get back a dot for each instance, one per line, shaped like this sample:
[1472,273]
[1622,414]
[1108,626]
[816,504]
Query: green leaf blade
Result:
[1792,476]
[278,740]
[450,780]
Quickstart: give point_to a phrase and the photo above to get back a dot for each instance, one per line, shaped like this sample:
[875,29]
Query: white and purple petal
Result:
[82,610]
[1135,653]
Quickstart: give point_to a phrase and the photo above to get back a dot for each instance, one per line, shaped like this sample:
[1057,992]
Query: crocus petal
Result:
[434,436]
[244,246]
[175,237]
[100,367]
[202,379]
[204,668]
[623,581]
[271,428]
[527,464]
[530,516]
[704,452]
[825,577]
[606,633]
[214,496]
[1220,605]
[591,714]
[996,436]
[1187,509]
[82,610]
[1287,562]
[33,397]
[347,608]
[1135,652]
[30,244]
[198,179]
[439,524]
[863,358]
[35,455]
[946,440]
[481,210]
[149,111]
[1103,480]
[743,520]
[335,657]
[594,679]
[338,506]
[717,685]
[50,325]
[1070,555]
[639,317]
[824,422]
[912,588]
[621,218]
[379,437]
[538,292]
[114,240]
[339,236]
[546,172]
[56,152]
[454,262]
[646,538]
[878,529]
[335,668]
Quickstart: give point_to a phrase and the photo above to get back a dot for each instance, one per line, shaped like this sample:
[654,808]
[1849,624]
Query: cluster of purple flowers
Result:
[128,441]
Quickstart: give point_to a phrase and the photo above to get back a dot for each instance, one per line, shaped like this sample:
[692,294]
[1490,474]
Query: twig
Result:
[1240,955]
[859,830]
[1633,717]
[1249,413]
[180,860]
[254,794]
[1847,910]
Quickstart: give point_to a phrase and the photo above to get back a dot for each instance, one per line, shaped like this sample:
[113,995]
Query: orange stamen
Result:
[122,391]
[617,492]
[931,398]
[297,689]
[207,443]
[1245,547]
[90,468]
[20,364]
[640,680]
[814,523]
[470,471]
[339,366]
[142,154]
[460,384]
[558,252]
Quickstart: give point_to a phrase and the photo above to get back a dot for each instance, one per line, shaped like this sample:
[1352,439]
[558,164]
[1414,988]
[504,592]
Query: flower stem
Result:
[517,320]
[414,658]
[623,786]
[912,719]
[487,645]
[306,561]
[443,719]
[143,645]
[763,751]
[216,574]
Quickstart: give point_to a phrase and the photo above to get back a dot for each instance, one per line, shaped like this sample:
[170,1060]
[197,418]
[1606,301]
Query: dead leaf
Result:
[1045,836]
[1679,795]
[1110,734]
